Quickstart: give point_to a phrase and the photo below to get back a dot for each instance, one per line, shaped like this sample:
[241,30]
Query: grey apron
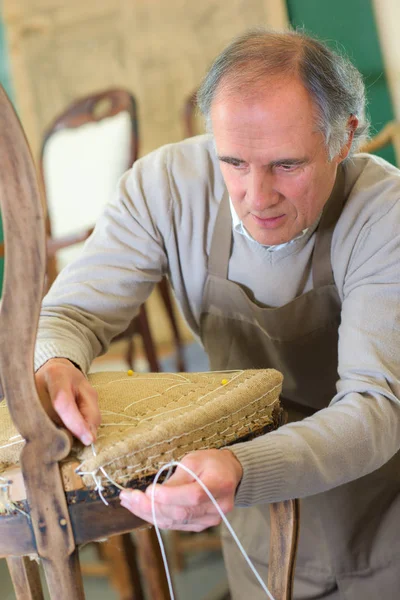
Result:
[350,536]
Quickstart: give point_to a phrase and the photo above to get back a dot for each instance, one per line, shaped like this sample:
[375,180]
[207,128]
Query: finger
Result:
[60,386]
[171,517]
[179,477]
[64,402]
[88,404]
[186,494]
[66,407]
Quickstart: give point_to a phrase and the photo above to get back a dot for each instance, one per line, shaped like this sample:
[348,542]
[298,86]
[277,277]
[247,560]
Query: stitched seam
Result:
[225,417]
[222,389]
[224,438]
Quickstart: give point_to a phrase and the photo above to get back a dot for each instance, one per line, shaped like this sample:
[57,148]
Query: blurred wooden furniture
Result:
[390,134]
[84,152]
[184,543]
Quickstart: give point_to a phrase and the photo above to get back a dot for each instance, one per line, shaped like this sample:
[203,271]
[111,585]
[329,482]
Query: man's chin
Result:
[269,238]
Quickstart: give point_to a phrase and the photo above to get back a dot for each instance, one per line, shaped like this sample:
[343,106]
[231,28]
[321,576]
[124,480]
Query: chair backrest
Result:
[25,260]
[84,152]
[390,134]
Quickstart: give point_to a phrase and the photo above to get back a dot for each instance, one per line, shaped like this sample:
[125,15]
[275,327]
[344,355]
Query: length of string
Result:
[169,466]
[223,517]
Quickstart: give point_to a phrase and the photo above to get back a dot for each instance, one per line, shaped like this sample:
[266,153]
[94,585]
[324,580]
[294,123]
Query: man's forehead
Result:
[248,88]
[286,97]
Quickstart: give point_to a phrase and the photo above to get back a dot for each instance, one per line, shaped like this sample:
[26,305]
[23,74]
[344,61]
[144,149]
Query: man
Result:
[283,249]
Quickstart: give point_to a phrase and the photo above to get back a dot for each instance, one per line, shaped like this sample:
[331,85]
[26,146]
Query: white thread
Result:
[12,444]
[8,503]
[97,480]
[173,438]
[225,520]
[169,466]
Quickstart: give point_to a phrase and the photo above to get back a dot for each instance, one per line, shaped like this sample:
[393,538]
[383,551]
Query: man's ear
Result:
[352,125]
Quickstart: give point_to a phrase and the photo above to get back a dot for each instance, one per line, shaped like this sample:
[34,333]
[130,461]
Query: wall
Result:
[159,50]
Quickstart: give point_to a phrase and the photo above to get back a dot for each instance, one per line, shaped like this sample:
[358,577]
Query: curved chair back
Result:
[84,152]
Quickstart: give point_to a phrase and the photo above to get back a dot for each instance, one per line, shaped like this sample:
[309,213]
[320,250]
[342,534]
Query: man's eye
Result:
[284,167]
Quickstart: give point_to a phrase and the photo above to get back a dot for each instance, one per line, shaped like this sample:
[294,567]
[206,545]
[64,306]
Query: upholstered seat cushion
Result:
[149,419]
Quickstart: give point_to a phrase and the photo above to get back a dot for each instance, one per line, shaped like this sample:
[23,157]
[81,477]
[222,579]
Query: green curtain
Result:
[350,26]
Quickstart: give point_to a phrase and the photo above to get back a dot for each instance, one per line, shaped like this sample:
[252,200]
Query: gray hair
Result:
[333,82]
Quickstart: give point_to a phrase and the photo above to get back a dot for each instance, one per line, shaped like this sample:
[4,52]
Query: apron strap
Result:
[221,241]
[322,272]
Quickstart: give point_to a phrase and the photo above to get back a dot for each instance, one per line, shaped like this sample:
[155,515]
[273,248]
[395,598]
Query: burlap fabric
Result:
[149,419]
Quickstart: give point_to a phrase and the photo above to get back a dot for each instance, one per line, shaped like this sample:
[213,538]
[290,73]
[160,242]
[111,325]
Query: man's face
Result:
[274,161]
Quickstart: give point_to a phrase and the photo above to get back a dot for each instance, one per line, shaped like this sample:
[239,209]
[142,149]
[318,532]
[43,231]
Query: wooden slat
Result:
[16,536]
[94,520]
[25,577]
[285,522]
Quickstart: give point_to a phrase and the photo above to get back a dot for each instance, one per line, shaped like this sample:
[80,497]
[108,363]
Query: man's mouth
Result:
[269,222]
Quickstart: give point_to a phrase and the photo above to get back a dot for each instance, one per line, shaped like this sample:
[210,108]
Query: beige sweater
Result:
[161,221]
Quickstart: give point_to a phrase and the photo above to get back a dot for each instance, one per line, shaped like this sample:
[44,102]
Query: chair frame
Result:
[80,112]
[51,527]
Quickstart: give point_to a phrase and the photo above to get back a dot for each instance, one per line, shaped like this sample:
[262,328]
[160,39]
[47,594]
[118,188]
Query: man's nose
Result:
[261,190]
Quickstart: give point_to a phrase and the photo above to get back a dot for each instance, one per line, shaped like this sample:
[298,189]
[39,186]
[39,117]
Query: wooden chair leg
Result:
[25,577]
[148,341]
[166,296]
[283,546]
[175,553]
[64,578]
[151,564]
[120,554]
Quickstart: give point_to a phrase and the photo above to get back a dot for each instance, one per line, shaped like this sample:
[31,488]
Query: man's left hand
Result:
[180,502]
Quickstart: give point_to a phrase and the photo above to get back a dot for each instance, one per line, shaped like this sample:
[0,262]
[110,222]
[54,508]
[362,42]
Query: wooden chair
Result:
[84,152]
[389,134]
[50,509]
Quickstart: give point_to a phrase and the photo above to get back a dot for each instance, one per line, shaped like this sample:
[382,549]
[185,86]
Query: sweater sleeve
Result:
[360,430]
[95,297]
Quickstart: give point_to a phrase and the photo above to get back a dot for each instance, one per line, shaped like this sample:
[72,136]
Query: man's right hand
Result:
[68,398]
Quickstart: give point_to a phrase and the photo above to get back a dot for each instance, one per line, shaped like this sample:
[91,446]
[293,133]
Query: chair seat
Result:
[149,419]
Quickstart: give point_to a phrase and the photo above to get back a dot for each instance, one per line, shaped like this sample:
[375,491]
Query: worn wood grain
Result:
[121,556]
[151,564]
[285,522]
[25,577]
[63,576]
[94,520]
[16,536]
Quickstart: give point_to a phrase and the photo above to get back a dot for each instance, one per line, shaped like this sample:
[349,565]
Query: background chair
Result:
[389,134]
[84,152]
